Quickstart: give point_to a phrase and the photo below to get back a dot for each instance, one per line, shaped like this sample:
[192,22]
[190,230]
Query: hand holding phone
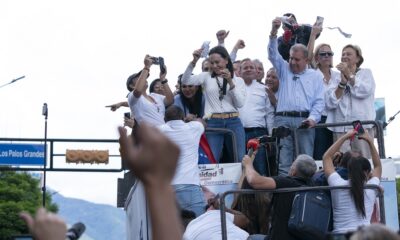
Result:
[358,127]
[127,115]
[320,21]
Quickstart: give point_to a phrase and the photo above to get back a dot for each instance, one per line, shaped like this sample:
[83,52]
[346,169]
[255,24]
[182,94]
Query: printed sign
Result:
[219,178]
[21,154]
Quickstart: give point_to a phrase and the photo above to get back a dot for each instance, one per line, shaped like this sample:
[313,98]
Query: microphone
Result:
[252,146]
[76,231]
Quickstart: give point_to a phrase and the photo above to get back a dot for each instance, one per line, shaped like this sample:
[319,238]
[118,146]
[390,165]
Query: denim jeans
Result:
[260,161]
[216,140]
[305,140]
[190,197]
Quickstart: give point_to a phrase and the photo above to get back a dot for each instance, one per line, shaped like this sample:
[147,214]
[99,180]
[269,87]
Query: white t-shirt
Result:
[187,137]
[146,111]
[345,215]
[257,111]
[208,227]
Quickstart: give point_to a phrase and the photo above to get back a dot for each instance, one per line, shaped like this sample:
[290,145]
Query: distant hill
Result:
[102,221]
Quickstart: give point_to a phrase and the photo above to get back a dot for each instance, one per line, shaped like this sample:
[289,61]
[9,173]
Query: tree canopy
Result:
[19,191]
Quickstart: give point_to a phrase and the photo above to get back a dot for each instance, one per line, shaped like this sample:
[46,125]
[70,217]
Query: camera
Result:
[127,115]
[156,60]
[159,61]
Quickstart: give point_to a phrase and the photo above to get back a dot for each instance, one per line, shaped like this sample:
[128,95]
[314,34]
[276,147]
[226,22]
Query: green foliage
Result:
[19,192]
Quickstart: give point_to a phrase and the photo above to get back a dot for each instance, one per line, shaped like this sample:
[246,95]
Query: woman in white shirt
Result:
[353,208]
[148,108]
[351,97]
[224,93]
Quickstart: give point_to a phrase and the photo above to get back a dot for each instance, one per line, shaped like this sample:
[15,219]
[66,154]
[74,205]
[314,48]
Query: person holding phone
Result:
[353,208]
[224,93]
[351,97]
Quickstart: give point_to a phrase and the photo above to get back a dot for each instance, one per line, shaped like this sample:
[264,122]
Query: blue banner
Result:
[21,154]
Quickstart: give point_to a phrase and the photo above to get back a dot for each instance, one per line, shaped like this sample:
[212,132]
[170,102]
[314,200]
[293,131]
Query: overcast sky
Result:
[77,55]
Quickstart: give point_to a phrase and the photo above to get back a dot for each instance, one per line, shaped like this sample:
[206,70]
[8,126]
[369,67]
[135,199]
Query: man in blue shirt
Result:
[300,99]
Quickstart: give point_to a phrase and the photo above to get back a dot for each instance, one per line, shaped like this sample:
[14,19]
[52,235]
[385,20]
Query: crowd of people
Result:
[301,90]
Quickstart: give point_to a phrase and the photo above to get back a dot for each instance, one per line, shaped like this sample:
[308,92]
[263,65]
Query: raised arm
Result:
[253,177]
[186,76]
[327,159]
[140,86]
[376,160]
[169,96]
[239,45]
[316,29]
[154,161]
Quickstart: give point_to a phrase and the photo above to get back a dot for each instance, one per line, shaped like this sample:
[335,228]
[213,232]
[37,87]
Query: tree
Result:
[19,191]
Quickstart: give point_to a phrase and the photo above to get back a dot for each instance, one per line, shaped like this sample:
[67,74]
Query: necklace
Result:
[221,89]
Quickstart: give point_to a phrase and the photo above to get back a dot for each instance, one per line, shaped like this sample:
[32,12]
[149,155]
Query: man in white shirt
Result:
[257,113]
[186,181]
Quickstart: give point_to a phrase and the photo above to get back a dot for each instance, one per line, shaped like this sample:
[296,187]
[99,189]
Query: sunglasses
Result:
[325,54]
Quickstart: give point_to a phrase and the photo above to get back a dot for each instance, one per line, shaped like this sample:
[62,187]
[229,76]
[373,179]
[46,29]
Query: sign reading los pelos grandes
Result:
[21,154]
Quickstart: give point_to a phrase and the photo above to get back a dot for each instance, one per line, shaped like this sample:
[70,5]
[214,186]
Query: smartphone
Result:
[320,21]
[127,115]
[162,66]
[358,127]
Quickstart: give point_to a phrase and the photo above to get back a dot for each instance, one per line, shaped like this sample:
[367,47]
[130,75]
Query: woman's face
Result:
[324,56]
[189,90]
[158,88]
[217,63]
[349,56]
[272,81]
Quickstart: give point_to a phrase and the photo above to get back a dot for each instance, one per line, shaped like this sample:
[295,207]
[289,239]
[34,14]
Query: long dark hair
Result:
[225,55]
[194,107]
[153,84]
[359,168]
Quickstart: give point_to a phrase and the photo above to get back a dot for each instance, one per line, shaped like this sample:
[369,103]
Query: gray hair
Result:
[299,47]
[305,166]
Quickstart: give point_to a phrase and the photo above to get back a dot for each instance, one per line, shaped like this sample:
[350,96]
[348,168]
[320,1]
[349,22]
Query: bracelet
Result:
[164,81]
[146,68]
[342,86]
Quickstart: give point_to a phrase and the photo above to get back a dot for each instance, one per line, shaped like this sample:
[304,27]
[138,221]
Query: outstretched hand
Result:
[153,159]
[45,225]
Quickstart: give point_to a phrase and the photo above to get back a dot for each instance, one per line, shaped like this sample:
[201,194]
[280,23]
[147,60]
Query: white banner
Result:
[218,178]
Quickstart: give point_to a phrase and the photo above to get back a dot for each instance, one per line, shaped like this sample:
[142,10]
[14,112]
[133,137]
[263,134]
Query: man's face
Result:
[297,61]
[259,71]
[272,81]
[247,71]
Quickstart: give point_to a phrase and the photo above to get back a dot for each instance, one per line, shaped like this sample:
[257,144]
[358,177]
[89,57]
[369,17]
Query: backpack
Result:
[310,214]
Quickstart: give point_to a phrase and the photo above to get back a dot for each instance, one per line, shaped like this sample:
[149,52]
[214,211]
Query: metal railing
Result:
[297,189]
[377,125]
